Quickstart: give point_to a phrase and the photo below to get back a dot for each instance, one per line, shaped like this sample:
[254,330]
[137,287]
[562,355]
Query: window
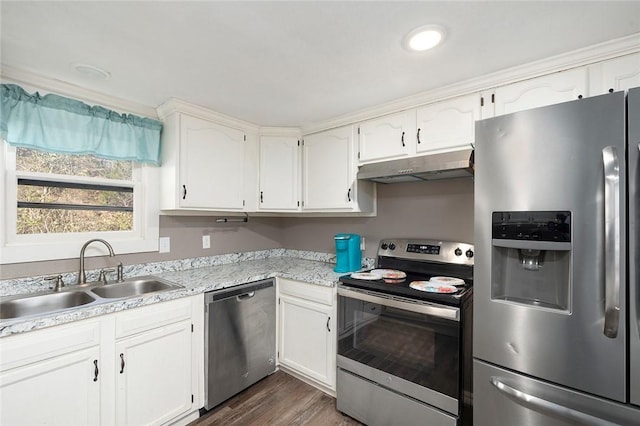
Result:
[55,202]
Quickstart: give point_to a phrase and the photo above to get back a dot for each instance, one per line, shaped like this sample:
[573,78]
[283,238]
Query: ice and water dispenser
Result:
[531,258]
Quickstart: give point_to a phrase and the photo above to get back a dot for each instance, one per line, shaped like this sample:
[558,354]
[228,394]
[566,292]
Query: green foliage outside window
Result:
[62,209]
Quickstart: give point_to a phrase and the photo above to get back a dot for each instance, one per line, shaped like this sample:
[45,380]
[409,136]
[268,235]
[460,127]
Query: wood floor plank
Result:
[279,399]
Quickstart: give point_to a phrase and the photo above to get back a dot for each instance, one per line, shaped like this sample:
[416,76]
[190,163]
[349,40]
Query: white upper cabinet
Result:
[391,136]
[616,74]
[447,125]
[541,91]
[203,165]
[279,174]
[329,169]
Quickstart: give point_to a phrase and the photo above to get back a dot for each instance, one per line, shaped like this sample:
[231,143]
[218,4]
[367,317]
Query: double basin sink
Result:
[80,295]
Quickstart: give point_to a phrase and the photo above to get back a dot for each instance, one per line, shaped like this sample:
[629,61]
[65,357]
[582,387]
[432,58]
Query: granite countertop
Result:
[195,280]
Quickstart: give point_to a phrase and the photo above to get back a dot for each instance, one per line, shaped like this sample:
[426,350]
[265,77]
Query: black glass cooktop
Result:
[417,272]
[403,289]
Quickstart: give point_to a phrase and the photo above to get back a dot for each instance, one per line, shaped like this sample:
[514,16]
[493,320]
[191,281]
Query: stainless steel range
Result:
[404,335]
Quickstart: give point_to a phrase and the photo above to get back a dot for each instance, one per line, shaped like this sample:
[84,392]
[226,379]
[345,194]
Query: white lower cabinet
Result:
[153,358]
[44,380]
[306,332]
[154,381]
[130,368]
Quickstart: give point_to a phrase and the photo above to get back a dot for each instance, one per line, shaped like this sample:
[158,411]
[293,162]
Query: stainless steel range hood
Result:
[446,165]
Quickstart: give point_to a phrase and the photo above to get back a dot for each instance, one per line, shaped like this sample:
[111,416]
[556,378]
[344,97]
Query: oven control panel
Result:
[423,248]
[427,250]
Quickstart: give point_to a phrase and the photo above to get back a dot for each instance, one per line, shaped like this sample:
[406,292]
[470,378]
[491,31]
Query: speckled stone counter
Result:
[195,275]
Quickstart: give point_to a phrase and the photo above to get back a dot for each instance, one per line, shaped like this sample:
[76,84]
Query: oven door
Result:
[411,347]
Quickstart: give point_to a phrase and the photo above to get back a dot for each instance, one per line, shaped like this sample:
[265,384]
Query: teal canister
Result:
[348,254]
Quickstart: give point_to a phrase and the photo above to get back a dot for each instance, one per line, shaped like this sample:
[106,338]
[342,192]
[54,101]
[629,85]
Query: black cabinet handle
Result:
[95,371]
[121,363]
[261,196]
[349,195]
[418,136]
[184,192]
[328,329]
[402,139]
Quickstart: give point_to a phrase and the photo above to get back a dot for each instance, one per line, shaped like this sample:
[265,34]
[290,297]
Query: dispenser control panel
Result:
[532,226]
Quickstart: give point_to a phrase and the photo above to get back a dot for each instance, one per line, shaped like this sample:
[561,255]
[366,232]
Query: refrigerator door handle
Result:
[545,406]
[611,241]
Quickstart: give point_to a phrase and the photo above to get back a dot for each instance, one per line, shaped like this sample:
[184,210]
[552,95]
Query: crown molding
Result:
[293,132]
[34,82]
[175,105]
[581,57]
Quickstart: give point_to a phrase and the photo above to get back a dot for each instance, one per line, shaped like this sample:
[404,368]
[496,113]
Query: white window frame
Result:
[15,248]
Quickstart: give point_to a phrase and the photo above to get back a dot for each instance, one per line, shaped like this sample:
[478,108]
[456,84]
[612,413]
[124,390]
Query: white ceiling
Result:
[292,63]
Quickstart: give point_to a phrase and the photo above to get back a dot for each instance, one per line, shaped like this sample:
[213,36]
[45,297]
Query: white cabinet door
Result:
[616,74]
[64,391]
[541,91]
[328,167]
[153,376]
[448,125]
[52,377]
[279,173]
[307,339]
[391,136]
[211,165]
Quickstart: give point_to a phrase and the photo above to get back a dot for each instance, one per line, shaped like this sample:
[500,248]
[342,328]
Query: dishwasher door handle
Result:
[245,296]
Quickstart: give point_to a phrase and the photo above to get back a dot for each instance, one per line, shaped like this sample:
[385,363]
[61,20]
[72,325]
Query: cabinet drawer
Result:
[149,317]
[313,292]
[47,343]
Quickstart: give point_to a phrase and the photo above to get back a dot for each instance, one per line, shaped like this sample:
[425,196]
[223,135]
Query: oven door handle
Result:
[439,311]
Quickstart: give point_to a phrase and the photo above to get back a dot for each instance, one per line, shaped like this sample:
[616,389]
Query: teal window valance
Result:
[57,124]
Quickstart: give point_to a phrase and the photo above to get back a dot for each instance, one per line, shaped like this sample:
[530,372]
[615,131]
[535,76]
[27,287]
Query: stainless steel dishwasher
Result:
[240,338]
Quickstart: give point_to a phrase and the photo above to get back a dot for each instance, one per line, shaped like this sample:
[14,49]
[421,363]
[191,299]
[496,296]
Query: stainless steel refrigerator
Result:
[557,299]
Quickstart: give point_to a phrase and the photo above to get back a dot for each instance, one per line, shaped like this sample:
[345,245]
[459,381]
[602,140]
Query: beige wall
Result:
[435,209]
[185,233]
[438,209]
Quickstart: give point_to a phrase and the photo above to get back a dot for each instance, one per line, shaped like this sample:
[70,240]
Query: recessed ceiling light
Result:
[424,38]
[92,71]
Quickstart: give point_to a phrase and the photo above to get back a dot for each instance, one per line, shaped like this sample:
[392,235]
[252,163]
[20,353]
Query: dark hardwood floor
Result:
[279,399]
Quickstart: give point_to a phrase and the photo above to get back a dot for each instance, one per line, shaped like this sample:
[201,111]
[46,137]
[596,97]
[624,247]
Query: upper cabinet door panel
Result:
[279,173]
[449,124]
[541,91]
[390,136]
[328,166]
[211,165]
[620,74]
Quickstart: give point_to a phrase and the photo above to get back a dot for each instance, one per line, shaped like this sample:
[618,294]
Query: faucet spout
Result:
[82,276]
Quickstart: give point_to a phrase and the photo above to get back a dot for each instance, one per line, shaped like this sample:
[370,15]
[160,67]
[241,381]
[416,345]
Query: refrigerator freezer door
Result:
[508,398]
[633,119]
[551,159]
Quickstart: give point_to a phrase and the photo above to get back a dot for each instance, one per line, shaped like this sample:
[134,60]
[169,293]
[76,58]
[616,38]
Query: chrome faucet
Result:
[82,276]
